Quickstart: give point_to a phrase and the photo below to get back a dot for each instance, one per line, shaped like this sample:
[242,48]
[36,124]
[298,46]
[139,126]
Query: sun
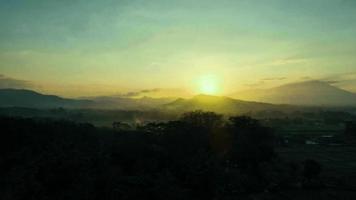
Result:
[208,88]
[208,85]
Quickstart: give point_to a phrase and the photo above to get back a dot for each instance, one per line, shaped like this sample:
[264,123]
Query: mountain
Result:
[118,102]
[32,99]
[219,104]
[311,93]
[285,97]
[28,98]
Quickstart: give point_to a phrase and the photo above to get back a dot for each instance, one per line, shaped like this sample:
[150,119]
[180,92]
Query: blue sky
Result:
[115,46]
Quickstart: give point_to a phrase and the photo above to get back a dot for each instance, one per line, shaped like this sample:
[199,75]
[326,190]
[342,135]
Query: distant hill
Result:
[118,102]
[31,99]
[219,104]
[284,98]
[312,93]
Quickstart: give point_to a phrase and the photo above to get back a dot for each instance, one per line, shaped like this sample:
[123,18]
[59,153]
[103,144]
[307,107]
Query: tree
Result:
[252,143]
[198,118]
[121,126]
[312,169]
[350,129]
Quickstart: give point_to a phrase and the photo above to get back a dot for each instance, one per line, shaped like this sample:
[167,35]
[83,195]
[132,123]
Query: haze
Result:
[87,47]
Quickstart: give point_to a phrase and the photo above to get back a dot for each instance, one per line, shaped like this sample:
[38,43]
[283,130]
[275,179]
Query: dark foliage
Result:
[350,129]
[312,169]
[252,142]
[197,157]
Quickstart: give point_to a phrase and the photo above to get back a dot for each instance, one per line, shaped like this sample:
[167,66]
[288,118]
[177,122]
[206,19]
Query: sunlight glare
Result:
[208,85]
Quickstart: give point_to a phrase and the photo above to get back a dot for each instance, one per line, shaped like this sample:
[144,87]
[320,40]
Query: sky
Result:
[90,47]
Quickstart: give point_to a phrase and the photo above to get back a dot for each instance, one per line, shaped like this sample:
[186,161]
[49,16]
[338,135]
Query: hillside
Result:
[28,98]
[32,99]
[312,93]
[219,104]
[117,102]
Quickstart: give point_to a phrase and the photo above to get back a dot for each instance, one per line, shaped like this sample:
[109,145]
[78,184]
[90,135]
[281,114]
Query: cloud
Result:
[339,78]
[332,82]
[140,93]
[344,80]
[266,82]
[7,82]
[274,79]
[157,93]
[289,61]
[306,78]
[254,85]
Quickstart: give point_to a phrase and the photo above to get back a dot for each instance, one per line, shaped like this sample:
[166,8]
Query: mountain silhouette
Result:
[118,102]
[311,93]
[218,104]
[32,99]
[29,98]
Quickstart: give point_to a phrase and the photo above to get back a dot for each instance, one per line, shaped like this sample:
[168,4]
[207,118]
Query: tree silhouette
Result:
[199,118]
[311,170]
[199,156]
[350,129]
[252,142]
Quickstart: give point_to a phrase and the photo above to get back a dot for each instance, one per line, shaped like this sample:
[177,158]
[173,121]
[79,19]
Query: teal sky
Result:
[112,46]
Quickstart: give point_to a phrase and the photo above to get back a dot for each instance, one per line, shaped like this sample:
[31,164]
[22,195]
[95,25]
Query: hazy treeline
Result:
[200,156]
[270,118]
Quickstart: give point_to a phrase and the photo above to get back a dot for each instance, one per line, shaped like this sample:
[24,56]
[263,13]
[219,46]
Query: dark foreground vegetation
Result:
[200,156]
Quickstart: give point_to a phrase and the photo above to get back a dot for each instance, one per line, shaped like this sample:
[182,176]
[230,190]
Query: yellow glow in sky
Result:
[108,47]
[209,85]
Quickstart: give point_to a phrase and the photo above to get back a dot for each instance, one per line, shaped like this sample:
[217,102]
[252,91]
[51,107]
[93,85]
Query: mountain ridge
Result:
[219,104]
[29,98]
[308,93]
